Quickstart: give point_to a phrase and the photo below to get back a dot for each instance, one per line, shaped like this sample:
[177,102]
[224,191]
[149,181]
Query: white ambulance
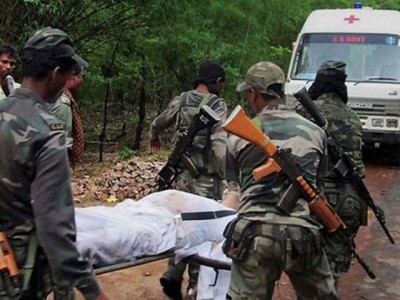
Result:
[368,40]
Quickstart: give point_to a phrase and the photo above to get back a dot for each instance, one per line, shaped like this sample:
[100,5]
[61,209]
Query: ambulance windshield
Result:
[369,57]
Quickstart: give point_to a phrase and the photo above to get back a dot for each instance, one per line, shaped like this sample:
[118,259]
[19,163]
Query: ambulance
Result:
[368,40]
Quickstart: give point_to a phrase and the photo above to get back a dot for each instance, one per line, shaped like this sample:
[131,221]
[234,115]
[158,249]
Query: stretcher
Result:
[208,262]
[137,262]
[136,232]
[214,276]
[159,226]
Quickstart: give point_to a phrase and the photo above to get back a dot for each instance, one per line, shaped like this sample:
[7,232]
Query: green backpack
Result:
[200,152]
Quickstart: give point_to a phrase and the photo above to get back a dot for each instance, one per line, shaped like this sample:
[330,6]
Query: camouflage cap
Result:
[54,43]
[330,67]
[260,76]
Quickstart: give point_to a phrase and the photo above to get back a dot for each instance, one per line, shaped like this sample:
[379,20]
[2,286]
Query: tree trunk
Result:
[102,136]
[142,109]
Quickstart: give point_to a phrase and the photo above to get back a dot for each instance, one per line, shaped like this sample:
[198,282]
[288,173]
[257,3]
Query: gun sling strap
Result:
[206,215]
[209,100]
[30,260]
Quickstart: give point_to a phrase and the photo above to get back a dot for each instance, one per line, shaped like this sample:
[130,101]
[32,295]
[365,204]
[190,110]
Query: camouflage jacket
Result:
[35,189]
[286,129]
[171,115]
[344,125]
[61,109]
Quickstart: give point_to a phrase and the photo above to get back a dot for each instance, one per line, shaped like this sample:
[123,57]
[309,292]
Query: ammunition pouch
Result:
[347,203]
[301,248]
[239,235]
[332,193]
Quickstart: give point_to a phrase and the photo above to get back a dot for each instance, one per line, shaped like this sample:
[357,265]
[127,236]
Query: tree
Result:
[166,41]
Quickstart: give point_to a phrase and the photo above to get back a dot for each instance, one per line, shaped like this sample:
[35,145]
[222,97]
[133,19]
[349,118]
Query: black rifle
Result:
[8,85]
[345,166]
[205,118]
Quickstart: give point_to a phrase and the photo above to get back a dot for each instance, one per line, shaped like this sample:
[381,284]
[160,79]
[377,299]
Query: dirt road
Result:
[384,184]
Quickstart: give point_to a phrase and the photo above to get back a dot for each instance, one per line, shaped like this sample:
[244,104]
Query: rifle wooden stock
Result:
[271,166]
[9,272]
[7,259]
[239,124]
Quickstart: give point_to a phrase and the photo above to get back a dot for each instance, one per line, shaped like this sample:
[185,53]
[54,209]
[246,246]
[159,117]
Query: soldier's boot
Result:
[171,287]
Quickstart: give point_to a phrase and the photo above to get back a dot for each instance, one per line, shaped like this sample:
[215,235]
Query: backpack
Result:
[200,152]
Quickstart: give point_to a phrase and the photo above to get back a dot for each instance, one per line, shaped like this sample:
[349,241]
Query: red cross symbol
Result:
[351,19]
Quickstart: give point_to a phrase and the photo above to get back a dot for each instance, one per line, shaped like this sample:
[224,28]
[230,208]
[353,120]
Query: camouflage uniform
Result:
[209,162]
[36,201]
[61,109]
[275,242]
[33,162]
[345,126]
[35,189]
[207,153]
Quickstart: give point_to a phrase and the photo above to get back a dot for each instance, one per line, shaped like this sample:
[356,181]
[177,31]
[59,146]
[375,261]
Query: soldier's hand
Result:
[155,146]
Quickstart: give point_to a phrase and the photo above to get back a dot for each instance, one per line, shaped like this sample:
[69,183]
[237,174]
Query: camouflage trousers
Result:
[353,212]
[209,186]
[277,248]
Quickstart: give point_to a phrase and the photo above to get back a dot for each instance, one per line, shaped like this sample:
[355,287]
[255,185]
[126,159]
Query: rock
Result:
[133,179]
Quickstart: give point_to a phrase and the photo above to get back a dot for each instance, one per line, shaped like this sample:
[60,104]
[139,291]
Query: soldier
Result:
[330,94]
[271,242]
[207,153]
[66,110]
[36,202]
[8,58]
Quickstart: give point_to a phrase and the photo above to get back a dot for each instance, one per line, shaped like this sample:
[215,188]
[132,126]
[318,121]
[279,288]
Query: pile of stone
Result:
[133,179]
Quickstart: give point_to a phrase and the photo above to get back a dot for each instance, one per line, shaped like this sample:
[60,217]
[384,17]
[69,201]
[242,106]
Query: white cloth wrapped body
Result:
[152,225]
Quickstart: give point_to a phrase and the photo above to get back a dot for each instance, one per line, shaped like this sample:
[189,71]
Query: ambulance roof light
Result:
[358,5]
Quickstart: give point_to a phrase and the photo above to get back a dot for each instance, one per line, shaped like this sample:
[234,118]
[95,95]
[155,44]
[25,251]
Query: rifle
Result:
[8,85]
[205,118]
[279,160]
[9,273]
[345,166]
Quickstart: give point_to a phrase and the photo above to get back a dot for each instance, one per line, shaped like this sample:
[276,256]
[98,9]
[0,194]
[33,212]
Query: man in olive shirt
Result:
[66,110]
[8,58]
[35,189]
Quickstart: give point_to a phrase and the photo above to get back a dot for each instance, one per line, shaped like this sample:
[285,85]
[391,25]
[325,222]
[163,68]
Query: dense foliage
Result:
[145,51]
